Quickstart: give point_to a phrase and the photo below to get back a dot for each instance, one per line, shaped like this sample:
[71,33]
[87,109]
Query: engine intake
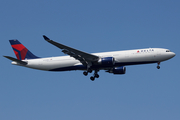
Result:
[106,61]
[118,70]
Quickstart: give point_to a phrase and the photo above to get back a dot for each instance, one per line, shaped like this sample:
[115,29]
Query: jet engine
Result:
[117,70]
[106,61]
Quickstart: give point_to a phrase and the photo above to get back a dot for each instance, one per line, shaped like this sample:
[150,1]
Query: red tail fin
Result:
[21,51]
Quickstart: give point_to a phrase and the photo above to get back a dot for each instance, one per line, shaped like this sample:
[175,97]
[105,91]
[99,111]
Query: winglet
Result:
[46,38]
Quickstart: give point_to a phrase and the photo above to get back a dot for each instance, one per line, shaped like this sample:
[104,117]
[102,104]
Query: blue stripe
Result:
[18,53]
[14,42]
[29,55]
[82,67]
[78,67]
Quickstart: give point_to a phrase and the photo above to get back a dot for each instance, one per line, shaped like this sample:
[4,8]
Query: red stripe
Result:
[23,53]
[18,47]
[17,55]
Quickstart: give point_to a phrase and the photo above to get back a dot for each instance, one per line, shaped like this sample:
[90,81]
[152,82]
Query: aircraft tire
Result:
[158,67]
[92,78]
[85,73]
[96,75]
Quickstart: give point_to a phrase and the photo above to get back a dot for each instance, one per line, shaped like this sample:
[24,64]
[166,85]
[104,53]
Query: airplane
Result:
[112,62]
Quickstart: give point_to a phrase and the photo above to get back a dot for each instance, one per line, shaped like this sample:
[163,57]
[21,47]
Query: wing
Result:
[83,57]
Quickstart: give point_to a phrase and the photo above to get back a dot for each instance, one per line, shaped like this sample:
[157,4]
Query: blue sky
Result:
[143,93]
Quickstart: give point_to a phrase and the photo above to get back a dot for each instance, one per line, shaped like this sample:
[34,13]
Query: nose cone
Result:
[167,55]
[173,54]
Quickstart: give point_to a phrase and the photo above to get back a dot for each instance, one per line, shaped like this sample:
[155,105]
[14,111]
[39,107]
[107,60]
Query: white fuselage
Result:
[122,58]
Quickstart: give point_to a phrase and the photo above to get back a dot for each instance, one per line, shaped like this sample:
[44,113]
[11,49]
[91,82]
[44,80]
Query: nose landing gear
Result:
[158,67]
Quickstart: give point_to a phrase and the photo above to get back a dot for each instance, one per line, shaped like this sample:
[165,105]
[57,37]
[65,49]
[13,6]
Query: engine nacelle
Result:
[118,70]
[106,61]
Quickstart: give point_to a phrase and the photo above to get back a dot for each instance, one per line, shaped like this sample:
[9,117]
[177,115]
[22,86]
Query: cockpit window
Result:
[168,51]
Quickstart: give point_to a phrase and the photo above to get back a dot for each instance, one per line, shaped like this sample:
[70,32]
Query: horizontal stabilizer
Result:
[16,60]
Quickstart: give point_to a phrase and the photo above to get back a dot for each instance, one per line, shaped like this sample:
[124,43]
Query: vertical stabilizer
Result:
[21,51]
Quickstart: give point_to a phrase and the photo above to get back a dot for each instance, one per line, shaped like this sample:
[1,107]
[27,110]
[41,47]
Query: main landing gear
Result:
[96,75]
[158,67]
[86,72]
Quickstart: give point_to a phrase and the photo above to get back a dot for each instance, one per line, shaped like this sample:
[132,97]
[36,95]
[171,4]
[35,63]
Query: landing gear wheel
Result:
[85,73]
[90,71]
[96,75]
[92,78]
[158,67]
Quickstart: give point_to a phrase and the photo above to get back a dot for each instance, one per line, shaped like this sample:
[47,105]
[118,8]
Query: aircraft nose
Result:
[173,54]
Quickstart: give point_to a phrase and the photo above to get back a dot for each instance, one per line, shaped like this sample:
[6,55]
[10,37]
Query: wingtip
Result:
[46,38]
